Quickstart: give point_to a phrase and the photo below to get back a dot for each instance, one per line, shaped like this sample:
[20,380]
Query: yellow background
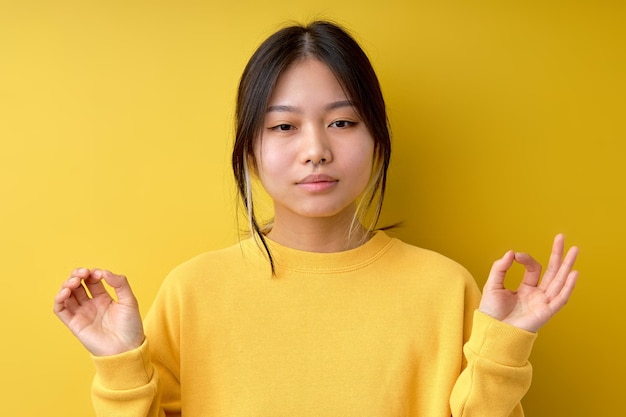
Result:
[116,123]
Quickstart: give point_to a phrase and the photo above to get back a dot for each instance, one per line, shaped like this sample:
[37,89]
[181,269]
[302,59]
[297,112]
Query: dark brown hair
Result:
[333,46]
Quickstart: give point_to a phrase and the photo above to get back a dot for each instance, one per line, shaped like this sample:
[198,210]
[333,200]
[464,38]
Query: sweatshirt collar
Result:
[289,259]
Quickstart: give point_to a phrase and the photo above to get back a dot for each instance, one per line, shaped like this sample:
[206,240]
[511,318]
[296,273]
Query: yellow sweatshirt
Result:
[377,331]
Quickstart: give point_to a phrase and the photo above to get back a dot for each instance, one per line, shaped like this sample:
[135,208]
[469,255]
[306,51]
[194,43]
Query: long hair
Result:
[333,46]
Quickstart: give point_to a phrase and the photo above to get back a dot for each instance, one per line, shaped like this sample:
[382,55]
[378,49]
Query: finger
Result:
[121,286]
[80,294]
[74,285]
[65,306]
[72,282]
[554,263]
[59,307]
[72,305]
[560,279]
[65,301]
[94,285]
[566,292]
[532,267]
[495,280]
[81,273]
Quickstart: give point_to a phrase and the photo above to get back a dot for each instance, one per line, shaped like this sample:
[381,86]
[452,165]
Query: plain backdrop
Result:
[116,122]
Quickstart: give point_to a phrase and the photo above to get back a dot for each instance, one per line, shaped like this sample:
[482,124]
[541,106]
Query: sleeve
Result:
[497,373]
[144,382]
[126,385]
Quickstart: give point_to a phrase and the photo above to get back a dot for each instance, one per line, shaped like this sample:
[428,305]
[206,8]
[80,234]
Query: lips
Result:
[313,178]
[317,182]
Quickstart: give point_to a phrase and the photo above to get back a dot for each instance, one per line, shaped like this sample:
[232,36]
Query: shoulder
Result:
[239,259]
[422,259]
[428,277]
[427,269]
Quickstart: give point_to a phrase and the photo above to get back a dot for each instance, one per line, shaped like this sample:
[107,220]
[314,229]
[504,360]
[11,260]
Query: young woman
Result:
[316,314]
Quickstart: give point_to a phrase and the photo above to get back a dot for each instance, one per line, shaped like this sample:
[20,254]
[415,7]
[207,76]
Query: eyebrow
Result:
[292,109]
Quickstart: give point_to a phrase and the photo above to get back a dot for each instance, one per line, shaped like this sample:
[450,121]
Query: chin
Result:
[326,212]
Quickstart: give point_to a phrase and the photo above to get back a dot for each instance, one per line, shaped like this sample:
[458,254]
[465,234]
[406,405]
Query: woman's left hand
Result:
[534,302]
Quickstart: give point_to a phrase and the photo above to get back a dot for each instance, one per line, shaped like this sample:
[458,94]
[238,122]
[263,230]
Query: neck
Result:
[325,234]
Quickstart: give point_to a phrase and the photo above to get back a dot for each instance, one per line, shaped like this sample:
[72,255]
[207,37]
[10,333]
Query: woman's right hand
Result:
[104,326]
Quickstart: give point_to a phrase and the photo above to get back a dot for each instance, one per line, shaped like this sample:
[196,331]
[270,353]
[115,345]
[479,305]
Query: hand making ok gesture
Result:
[103,325]
[537,298]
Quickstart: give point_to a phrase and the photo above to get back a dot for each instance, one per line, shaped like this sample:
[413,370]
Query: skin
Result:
[537,298]
[104,326]
[311,130]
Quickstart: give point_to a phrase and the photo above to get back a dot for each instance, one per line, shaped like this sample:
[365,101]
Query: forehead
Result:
[307,82]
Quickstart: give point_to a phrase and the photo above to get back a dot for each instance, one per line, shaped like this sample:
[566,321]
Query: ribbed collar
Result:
[295,260]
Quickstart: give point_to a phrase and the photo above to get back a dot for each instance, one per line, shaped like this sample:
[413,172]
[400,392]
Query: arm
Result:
[127,385]
[126,382]
[497,373]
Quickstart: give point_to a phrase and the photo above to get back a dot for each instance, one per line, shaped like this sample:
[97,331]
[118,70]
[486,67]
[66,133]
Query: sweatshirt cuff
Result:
[126,370]
[500,342]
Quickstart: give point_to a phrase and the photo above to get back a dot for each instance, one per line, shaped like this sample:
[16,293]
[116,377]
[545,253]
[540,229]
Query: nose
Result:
[316,147]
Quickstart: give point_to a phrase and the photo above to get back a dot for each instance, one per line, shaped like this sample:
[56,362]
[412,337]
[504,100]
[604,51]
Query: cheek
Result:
[368,172]
[269,162]
[363,162]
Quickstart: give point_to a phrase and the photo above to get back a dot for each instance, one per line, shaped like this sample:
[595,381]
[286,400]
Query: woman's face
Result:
[315,155]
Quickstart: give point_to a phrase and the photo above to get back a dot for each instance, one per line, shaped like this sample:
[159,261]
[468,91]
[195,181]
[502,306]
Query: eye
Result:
[342,124]
[283,127]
